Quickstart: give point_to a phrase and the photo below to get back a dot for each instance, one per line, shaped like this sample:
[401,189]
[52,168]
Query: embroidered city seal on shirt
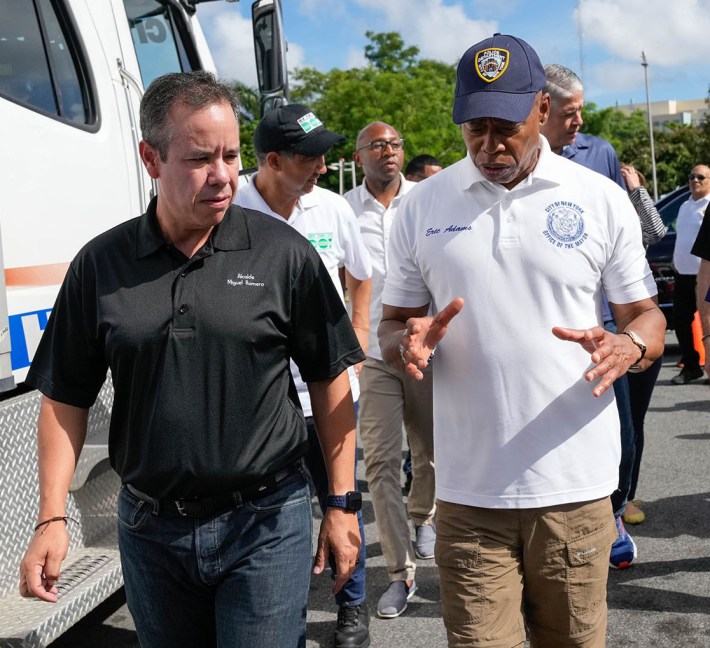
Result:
[565,224]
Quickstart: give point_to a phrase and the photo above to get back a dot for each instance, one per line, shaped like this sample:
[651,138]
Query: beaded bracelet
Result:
[62,518]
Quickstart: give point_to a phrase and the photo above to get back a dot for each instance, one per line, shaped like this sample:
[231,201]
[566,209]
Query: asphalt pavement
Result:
[663,601]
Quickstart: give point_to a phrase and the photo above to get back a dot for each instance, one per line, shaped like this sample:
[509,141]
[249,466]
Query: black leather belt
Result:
[214,504]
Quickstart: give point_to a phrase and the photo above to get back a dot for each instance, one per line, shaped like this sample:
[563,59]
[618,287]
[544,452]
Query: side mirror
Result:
[270,48]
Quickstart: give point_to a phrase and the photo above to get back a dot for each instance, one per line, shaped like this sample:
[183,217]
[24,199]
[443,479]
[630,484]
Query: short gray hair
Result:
[194,89]
[561,82]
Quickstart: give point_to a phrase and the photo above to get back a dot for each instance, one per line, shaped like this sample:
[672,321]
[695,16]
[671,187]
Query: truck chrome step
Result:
[89,576]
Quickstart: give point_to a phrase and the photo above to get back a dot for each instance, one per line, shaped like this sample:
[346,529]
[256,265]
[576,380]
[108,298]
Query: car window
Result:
[668,207]
[157,38]
[41,65]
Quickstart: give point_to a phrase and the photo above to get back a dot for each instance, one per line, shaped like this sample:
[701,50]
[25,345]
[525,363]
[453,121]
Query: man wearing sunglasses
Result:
[686,266]
[389,398]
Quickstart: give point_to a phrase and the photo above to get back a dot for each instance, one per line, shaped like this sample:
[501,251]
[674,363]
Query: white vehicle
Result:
[72,73]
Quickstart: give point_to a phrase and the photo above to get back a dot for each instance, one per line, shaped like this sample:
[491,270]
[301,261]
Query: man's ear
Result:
[356,159]
[544,108]
[150,158]
[273,161]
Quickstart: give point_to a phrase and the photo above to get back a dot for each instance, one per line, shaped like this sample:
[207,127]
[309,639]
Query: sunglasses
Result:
[696,176]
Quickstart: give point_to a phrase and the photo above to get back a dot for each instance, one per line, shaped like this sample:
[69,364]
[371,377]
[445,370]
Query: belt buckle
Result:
[180,508]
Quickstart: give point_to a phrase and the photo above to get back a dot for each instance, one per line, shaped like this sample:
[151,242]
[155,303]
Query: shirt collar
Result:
[545,171]
[231,234]
[404,186]
[306,201]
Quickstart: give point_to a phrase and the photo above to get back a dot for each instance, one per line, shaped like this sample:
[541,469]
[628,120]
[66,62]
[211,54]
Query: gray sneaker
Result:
[424,543]
[394,601]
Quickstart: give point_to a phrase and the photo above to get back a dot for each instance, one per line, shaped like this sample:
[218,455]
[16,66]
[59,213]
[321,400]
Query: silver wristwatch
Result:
[636,339]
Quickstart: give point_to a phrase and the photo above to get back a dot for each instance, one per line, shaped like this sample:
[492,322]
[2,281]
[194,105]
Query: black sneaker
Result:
[353,629]
[687,375]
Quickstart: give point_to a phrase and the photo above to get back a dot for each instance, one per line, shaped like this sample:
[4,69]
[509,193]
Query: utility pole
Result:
[644,63]
[580,34]
[341,166]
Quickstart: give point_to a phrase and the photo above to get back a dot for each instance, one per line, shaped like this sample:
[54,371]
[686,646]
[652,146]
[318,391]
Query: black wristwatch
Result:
[351,501]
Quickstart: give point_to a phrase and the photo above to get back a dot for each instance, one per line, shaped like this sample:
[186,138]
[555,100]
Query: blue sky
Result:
[601,40]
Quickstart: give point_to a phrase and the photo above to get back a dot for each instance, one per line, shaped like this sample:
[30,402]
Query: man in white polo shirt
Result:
[686,266]
[291,143]
[390,399]
[513,245]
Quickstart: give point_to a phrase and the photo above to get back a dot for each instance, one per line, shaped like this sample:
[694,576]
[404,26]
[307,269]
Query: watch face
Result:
[354,501]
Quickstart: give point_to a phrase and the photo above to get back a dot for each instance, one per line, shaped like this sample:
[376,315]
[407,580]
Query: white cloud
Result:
[670,33]
[440,31]
[294,57]
[231,42]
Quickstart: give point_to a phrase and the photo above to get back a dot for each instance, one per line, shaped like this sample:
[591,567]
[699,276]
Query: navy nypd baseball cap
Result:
[294,128]
[497,78]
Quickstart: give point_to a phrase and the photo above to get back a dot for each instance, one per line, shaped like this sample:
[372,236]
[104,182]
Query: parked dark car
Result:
[660,255]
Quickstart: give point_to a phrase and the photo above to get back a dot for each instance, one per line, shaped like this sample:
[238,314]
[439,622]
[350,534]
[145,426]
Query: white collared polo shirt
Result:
[375,221]
[515,423]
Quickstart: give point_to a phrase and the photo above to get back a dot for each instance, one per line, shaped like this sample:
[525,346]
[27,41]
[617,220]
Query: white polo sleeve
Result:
[404,283]
[356,258]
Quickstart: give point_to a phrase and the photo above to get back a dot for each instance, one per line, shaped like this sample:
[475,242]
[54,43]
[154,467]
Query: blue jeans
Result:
[628,446]
[236,579]
[353,592]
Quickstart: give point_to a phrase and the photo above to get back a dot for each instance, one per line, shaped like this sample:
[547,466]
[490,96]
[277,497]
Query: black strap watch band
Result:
[351,501]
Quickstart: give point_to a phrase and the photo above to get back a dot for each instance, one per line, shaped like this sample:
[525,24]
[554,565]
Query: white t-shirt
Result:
[515,423]
[687,226]
[327,221]
[375,223]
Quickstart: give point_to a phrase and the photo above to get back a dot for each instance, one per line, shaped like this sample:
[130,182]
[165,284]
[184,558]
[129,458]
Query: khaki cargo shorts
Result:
[504,569]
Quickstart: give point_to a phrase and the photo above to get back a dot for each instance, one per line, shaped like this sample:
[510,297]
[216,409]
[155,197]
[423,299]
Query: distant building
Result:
[691,112]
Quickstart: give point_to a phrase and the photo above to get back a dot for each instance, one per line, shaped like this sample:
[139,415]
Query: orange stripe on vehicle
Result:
[41,275]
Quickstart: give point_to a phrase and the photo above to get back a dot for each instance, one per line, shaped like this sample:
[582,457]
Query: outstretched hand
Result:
[422,335]
[611,353]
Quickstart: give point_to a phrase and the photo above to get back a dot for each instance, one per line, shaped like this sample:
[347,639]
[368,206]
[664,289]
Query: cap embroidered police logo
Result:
[309,122]
[508,77]
[491,64]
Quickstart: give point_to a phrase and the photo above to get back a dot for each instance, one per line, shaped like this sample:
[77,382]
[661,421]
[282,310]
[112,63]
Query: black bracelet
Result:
[705,337]
[62,518]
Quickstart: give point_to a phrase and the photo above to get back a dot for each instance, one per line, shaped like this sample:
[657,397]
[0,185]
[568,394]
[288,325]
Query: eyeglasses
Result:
[696,176]
[381,145]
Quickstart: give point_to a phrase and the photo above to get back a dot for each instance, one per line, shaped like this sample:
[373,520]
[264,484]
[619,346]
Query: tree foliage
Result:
[677,149]
[415,95]
[249,111]
[412,94]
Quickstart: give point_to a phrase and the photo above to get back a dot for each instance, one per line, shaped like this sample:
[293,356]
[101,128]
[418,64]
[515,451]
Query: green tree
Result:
[677,147]
[249,110]
[387,52]
[414,95]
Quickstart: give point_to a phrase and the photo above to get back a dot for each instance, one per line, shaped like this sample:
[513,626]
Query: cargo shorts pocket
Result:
[462,593]
[587,572]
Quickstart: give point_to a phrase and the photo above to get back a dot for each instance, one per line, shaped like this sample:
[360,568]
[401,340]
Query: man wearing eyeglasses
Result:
[686,266]
[389,398]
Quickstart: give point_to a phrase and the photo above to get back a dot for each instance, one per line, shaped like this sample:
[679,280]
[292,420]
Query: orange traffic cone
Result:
[698,338]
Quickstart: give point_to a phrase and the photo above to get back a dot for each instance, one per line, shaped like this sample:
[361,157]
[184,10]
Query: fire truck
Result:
[72,73]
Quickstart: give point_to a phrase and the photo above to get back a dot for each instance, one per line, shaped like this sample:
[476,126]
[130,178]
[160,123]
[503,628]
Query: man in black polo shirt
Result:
[197,307]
